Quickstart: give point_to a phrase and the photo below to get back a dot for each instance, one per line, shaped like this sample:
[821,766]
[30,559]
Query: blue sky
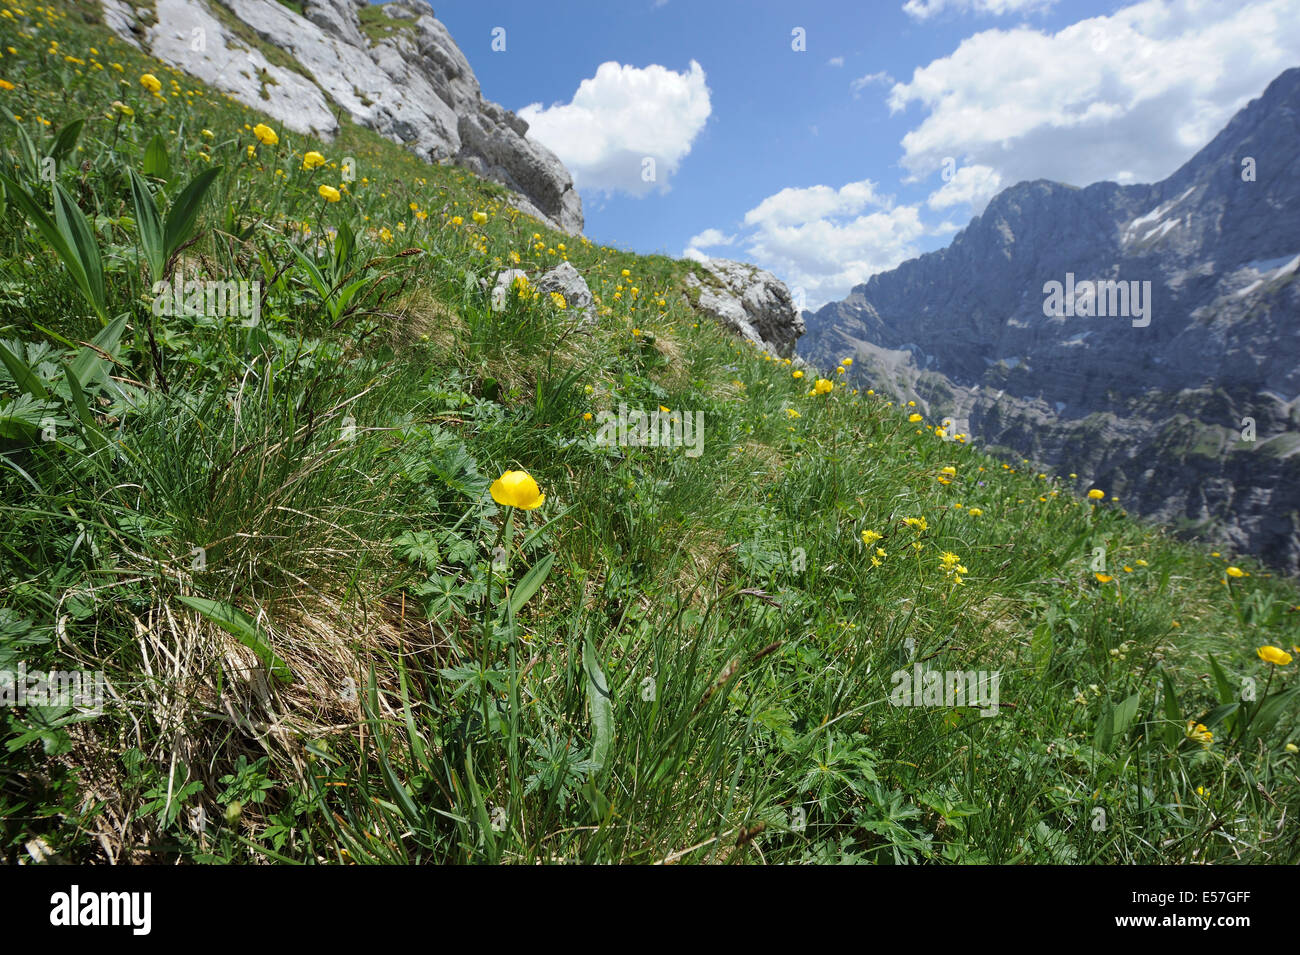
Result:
[879,140]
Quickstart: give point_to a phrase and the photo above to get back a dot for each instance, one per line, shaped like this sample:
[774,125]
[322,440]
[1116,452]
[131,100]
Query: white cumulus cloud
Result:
[822,241]
[711,237]
[627,129]
[973,184]
[1129,96]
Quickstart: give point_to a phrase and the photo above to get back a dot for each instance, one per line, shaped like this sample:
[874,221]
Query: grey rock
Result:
[415,86]
[501,287]
[1152,413]
[566,280]
[751,302]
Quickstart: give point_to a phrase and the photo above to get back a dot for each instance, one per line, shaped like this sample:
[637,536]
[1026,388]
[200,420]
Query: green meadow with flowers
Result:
[365,587]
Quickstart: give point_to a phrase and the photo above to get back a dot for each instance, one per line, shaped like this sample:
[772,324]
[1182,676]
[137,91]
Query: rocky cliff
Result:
[1146,337]
[393,68]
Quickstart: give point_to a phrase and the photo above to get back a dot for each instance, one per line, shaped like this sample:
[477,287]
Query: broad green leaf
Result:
[1125,712]
[244,629]
[1105,730]
[66,140]
[1173,730]
[602,705]
[1270,709]
[23,376]
[48,230]
[76,233]
[148,226]
[88,365]
[156,161]
[185,210]
[94,436]
[1221,683]
[28,149]
[530,583]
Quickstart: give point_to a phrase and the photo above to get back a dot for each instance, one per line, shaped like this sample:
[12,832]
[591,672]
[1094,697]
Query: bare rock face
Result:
[1189,407]
[407,80]
[750,301]
[568,281]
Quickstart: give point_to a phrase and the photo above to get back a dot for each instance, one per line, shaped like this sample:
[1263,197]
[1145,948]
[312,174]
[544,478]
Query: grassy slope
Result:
[326,472]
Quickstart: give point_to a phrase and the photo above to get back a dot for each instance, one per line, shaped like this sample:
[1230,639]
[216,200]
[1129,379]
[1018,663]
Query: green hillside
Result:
[271,525]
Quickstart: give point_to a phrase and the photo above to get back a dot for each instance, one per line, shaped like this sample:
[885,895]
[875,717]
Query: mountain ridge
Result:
[964,331]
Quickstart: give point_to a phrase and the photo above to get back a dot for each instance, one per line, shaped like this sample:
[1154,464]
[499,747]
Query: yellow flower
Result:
[312,159]
[846,362]
[150,82]
[917,522]
[586,416]
[6,85]
[1103,578]
[479,217]
[329,193]
[456,220]
[265,134]
[974,512]
[914,418]
[517,489]
[1274,655]
[1096,495]
[950,471]
[1292,748]
[796,374]
[822,386]
[625,273]
[792,413]
[1235,572]
[636,333]
[840,369]
[558,300]
[870,537]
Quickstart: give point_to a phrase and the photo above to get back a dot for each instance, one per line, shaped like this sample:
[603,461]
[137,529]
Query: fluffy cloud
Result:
[1129,96]
[822,241]
[925,9]
[975,185]
[835,61]
[619,119]
[709,238]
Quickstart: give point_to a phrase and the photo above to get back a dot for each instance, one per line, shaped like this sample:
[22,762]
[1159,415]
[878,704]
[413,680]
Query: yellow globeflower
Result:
[312,159]
[150,82]
[1274,655]
[517,489]
[949,470]
[796,374]
[625,273]
[265,134]
[480,217]
[974,511]
[329,193]
[822,386]
[846,362]
[456,220]
[1096,495]
[1235,572]
[914,418]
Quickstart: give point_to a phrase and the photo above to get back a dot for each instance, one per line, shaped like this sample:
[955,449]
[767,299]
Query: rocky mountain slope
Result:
[393,68]
[1183,400]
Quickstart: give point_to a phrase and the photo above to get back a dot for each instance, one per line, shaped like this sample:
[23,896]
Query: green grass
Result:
[327,643]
